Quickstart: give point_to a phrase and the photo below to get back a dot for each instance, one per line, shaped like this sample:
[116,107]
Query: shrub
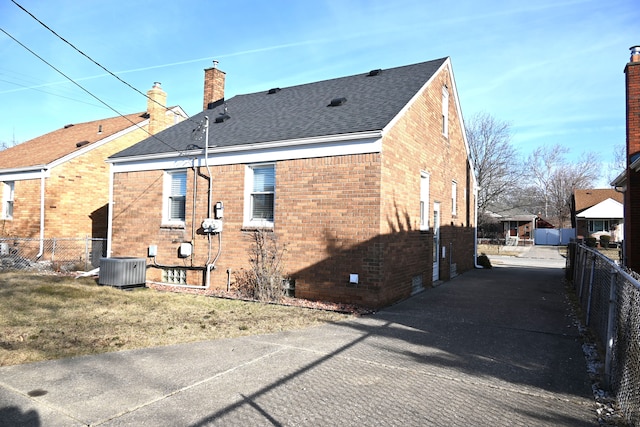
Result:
[590,241]
[484,261]
[604,241]
[263,281]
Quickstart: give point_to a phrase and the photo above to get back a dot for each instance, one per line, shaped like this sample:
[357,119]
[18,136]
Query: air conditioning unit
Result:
[123,272]
[4,248]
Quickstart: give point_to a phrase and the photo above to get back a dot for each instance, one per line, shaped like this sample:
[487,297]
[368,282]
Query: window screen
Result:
[177,197]
[262,195]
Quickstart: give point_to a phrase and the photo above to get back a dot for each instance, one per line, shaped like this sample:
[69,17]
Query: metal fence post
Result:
[611,328]
[593,269]
[86,253]
[583,261]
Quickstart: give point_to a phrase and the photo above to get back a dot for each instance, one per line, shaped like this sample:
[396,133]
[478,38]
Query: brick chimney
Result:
[157,109]
[213,86]
[632,71]
[632,195]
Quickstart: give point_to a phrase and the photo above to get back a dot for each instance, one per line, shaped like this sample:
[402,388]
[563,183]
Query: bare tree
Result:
[554,179]
[497,162]
[619,163]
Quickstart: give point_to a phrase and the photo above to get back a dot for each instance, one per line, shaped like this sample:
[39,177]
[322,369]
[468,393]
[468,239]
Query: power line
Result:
[91,59]
[86,90]
[44,91]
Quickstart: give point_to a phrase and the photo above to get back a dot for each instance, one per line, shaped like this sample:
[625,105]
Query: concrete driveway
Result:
[492,347]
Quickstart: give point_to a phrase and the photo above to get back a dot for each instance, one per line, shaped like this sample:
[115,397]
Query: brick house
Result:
[57,185]
[366,180]
[596,212]
[629,181]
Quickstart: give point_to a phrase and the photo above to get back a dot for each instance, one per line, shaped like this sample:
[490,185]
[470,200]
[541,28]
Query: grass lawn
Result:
[44,317]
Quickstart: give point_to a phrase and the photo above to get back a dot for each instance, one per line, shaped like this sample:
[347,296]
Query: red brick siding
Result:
[632,221]
[633,108]
[632,195]
[326,213]
[340,215]
[416,144]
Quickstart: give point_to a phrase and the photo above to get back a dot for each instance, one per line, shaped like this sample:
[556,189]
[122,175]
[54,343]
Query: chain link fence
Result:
[609,297]
[57,254]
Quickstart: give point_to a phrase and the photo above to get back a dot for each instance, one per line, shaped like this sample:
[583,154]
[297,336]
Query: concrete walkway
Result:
[489,348]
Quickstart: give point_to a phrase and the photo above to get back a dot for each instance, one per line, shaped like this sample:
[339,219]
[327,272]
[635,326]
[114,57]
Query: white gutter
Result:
[42,181]
[620,182]
[110,213]
[475,228]
[36,168]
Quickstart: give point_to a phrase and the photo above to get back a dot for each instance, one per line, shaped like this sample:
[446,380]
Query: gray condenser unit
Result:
[123,272]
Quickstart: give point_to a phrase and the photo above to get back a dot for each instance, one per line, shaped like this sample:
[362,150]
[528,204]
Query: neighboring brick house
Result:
[596,212]
[629,181]
[366,180]
[57,185]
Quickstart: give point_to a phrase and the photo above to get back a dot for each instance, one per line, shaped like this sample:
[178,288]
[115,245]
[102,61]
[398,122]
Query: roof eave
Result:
[34,168]
[621,180]
[254,146]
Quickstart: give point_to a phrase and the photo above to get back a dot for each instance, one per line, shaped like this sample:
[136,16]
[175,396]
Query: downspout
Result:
[110,212]
[193,207]
[475,228]
[42,176]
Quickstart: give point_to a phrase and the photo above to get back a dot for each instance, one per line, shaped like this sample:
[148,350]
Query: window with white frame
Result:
[7,199]
[445,111]
[454,198]
[424,201]
[175,190]
[596,225]
[260,181]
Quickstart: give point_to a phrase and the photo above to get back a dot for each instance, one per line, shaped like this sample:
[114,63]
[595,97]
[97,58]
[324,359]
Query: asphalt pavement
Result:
[492,347]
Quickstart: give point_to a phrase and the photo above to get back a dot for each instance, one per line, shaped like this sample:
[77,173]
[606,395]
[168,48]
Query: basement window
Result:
[175,276]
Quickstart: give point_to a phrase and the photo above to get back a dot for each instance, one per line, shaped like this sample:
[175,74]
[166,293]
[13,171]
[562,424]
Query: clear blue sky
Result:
[551,68]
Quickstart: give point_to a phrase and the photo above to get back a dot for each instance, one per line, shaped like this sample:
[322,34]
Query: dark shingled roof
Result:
[299,111]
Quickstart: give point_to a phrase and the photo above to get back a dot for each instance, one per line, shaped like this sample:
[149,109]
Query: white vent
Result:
[123,272]
[416,284]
